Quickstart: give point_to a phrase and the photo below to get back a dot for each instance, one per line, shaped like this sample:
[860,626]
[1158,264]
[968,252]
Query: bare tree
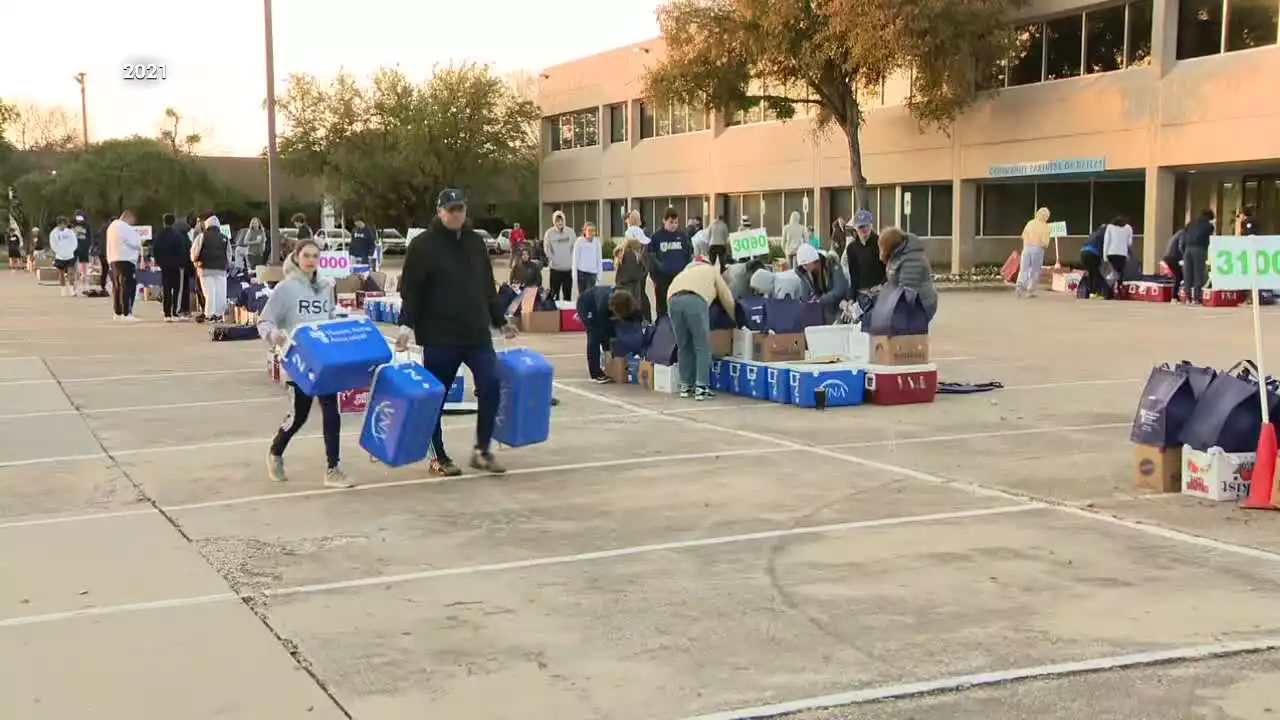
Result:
[43,129]
[170,133]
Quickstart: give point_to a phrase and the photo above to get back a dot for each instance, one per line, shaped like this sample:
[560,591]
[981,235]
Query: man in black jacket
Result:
[1195,255]
[172,252]
[862,255]
[450,305]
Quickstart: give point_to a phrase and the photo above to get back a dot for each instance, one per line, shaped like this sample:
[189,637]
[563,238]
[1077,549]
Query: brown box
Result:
[777,348]
[900,350]
[616,368]
[348,285]
[1157,468]
[721,343]
[269,273]
[644,376]
[46,275]
[540,321]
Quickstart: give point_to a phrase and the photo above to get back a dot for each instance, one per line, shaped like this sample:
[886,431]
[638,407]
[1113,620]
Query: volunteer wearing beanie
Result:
[823,279]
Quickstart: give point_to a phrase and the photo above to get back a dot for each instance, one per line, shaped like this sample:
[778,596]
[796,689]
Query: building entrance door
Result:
[1262,193]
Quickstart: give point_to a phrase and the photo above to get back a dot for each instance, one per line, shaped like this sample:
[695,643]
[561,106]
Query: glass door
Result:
[1262,193]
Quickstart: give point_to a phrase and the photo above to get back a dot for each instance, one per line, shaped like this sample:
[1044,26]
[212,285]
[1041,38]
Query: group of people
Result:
[74,254]
[1187,254]
[571,259]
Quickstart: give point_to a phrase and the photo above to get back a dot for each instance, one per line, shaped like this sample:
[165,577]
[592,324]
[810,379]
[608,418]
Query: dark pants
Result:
[597,343]
[444,361]
[1093,269]
[190,284]
[123,286]
[170,289]
[586,281]
[720,252]
[1175,268]
[1117,263]
[561,279]
[293,422]
[102,277]
[1194,260]
[660,287]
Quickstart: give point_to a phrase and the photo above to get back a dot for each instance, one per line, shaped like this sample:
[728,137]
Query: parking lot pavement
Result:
[655,559]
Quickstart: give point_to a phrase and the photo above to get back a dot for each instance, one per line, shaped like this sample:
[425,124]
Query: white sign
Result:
[805,206]
[746,244]
[1243,262]
[906,204]
[334,264]
[144,232]
[1058,229]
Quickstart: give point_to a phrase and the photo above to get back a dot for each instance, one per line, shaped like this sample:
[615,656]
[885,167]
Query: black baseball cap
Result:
[451,197]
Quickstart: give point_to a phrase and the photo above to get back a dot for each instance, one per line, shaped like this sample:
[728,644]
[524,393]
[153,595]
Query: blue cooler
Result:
[845,384]
[753,381]
[779,379]
[328,357]
[720,375]
[404,406]
[524,406]
[734,375]
[633,370]
[458,390]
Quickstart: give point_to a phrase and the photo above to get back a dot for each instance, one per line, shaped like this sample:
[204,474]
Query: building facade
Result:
[1151,109]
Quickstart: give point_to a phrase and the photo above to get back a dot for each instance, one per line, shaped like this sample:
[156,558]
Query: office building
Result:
[1153,109]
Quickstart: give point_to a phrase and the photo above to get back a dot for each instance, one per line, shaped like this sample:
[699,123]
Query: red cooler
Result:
[901,384]
[1153,292]
[570,322]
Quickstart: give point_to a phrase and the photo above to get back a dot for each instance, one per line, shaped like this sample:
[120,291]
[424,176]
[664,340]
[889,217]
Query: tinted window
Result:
[1199,28]
[1251,23]
[1062,47]
[1026,64]
[1139,33]
[1104,40]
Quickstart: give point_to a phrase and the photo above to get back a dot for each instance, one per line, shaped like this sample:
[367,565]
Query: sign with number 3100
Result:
[1244,262]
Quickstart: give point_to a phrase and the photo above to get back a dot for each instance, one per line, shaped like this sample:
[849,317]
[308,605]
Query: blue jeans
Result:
[444,361]
[1029,273]
[691,322]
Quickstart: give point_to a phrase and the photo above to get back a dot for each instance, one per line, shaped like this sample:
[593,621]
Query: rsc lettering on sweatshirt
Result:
[142,71]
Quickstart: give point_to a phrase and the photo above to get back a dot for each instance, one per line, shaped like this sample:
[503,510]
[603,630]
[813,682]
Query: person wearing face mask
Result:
[303,296]
[450,306]
[862,256]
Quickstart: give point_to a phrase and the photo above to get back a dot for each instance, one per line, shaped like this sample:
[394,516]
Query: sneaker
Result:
[444,467]
[275,467]
[129,319]
[334,477]
[686,391]
[703,393]
[199,319]
[117,318]
[602,380]
[555,401]
[484,460]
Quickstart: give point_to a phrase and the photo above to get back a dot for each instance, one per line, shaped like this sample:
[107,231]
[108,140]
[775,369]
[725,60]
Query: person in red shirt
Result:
[518,238]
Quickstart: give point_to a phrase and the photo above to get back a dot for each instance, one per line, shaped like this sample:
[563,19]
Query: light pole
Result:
[84,110]
[272,155]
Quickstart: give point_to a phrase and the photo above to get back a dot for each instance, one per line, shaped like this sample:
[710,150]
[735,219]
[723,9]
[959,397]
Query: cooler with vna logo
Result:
[404,406]
[524,406]
[327,357]
[844,383]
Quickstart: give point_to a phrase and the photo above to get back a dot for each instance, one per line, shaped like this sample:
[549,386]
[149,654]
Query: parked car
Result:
[334,239]
[496,245]
[392,240]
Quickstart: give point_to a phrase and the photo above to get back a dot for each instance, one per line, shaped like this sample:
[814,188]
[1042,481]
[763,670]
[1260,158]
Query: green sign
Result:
[746,244]
[1058,229]
[1243,262]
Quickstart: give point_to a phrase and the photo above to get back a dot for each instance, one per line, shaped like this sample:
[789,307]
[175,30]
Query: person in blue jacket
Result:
[669,252]
[1091,259]
[363,242]
[601,309]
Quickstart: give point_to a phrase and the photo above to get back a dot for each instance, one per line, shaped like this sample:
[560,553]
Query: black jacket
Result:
[447,292]
[866,269]
[527,274]
[213,251]
[593,310]
[363,242]
[171,248]
[1197,234]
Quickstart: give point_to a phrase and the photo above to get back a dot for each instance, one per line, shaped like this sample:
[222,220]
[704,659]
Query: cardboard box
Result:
[664,379]
[900,350]
[1157,468]
[644,375]
[353,401]
[347,300]
[721,343]
[269,273]
[348,284]
[1066,282]
[540,321]
[778,348]
[1216,475]
[364,296]
[616,368]
[46,275]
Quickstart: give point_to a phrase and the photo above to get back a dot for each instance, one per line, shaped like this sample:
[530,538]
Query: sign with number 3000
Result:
[1244,262]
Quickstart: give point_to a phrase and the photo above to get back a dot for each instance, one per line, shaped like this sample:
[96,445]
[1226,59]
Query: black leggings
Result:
[561,279]
[123,287]
[719,253]
[171,288]
[293,422]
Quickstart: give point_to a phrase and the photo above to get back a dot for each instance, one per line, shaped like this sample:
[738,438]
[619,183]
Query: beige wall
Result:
[1168,114]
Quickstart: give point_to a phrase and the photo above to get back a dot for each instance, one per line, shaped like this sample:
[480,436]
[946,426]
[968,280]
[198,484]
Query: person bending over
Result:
[689,302]
[450,305]
[303,296]
[601,308]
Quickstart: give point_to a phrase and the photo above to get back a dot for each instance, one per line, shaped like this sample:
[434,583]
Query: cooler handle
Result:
[870,381]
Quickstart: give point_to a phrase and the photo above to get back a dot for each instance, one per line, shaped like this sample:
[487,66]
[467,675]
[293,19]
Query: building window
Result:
[1138,45]
[761,112]
[1199,28]
[1251,24]
[618,123]
[1006,208]
[574,130]
[930,210]
[687,207]
[1063,38]
[1104,39]
[1068,202]
[661,121]
[576,214]
[1081,204]
[1026,64]
[617,218]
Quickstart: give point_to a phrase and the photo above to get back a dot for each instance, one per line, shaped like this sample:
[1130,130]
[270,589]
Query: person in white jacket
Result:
[793,236]
[63,243]
[588,259]
[1117,242]
[124,249]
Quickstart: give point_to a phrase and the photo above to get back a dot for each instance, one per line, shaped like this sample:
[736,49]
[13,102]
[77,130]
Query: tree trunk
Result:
[857,180]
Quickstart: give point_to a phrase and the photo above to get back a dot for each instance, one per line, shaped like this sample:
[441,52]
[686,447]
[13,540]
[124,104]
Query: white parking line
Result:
[964,682]
[979,435]
[1076,383]
[143,376]
[141,408]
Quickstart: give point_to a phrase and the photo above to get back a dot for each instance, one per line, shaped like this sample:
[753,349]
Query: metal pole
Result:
[84,109]
[272,154]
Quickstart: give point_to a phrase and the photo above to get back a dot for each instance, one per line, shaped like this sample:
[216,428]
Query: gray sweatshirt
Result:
[296,300]
[559,245]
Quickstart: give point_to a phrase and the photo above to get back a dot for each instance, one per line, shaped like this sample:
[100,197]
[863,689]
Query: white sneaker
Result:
[129,319]
[117,318]
[336,478]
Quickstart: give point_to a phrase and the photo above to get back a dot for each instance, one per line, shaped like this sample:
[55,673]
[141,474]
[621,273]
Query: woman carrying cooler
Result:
[302,297]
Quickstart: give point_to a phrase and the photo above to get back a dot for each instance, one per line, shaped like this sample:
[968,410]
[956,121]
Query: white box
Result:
[664,378]
[1216,475]
[1066,282]
[744,344]
[847,342]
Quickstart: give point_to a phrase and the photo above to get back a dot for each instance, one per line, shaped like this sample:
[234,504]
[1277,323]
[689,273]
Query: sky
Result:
[215,57]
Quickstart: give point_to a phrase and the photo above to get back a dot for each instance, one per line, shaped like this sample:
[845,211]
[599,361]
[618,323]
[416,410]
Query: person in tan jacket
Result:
[1035,239]
[689,304]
